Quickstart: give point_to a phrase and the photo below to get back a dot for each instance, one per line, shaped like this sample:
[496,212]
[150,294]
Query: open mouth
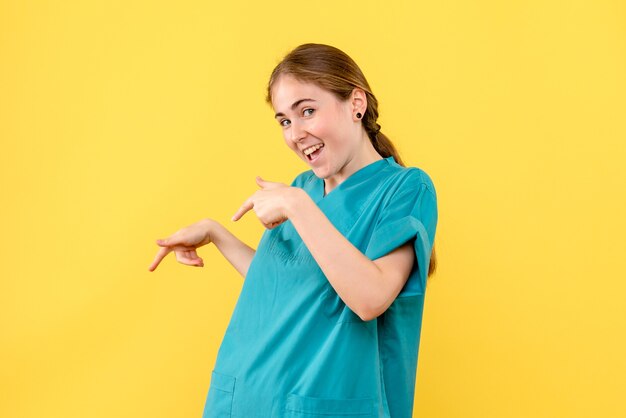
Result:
[312,156]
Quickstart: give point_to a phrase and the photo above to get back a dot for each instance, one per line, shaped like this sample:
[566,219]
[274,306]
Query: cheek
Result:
[320,128]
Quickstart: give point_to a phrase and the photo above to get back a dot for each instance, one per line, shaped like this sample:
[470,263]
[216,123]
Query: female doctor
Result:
[328,320]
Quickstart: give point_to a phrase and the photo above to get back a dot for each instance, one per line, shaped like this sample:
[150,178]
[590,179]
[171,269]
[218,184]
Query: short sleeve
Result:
[410,214]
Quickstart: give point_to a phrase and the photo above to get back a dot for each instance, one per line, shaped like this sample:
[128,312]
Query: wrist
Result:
[211,227]
[296,199]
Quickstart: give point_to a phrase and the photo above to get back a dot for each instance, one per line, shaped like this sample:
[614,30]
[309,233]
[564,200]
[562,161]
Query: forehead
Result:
[287,90]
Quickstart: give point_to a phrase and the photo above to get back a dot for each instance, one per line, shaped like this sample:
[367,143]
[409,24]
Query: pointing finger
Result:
[242,210]
[160,255]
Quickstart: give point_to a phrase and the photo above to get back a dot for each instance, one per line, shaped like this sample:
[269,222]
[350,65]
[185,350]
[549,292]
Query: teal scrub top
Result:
[293,348]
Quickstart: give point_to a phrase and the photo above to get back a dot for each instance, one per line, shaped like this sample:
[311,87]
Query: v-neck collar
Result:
[361,173]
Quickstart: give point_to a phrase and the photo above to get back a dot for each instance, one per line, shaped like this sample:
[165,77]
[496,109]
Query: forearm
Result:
[232,248]
[357,280]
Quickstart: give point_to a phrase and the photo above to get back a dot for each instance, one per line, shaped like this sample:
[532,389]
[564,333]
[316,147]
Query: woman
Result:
[329,317]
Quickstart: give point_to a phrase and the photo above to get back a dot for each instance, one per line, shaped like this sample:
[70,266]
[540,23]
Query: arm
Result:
[232,248]
[367,287]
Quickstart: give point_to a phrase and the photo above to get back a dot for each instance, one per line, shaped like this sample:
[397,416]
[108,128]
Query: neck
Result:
[364,156]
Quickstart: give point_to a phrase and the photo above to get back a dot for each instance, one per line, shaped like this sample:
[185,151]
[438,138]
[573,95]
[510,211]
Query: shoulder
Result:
[406,180]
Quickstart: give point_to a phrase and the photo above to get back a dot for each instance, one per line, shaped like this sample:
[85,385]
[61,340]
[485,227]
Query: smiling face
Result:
[311,116]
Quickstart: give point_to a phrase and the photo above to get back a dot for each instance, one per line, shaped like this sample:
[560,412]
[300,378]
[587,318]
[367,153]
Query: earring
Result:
[358,115]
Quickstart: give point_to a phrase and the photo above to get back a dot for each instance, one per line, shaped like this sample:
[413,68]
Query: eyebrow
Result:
[293,106]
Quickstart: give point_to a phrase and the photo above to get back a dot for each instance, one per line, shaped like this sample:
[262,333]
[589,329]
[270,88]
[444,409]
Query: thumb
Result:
[165,242]
[260,181]
[266,184]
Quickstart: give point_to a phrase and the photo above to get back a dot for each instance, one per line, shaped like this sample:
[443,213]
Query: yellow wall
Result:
[123,121]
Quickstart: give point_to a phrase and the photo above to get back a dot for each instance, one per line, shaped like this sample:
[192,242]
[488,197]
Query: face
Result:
[311,116]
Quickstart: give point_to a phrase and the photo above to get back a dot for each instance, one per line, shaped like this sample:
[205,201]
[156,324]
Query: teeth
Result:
[313,148]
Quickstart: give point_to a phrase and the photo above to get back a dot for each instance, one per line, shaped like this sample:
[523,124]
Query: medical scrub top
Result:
[293,348]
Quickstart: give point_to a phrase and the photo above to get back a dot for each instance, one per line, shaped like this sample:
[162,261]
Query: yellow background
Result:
[123,121]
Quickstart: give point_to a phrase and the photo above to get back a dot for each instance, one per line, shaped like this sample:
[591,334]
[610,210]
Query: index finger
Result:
[163,251]
[243,209]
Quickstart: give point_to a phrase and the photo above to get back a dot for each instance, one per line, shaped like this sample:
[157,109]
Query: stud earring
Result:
[358,115]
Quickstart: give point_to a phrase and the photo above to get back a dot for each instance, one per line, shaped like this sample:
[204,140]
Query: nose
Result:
[296,132]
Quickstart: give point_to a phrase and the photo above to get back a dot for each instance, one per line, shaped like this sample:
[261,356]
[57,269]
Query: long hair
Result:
[334,71]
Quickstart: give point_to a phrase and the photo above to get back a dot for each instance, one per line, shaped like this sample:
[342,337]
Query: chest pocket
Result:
[285,241]
[287,244]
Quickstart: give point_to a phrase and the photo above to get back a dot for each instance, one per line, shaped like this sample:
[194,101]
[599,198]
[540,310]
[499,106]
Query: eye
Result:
[282,121]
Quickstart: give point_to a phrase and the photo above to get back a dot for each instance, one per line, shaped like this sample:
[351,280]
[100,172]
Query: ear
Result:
[358,101]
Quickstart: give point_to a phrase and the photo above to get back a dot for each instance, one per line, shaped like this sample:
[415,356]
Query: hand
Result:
[270,203]
[184,243]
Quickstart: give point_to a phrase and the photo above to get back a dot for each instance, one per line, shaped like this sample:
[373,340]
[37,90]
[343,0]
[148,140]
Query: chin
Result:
[319,172]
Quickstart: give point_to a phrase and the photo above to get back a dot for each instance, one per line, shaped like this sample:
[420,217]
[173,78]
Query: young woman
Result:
[329,317]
